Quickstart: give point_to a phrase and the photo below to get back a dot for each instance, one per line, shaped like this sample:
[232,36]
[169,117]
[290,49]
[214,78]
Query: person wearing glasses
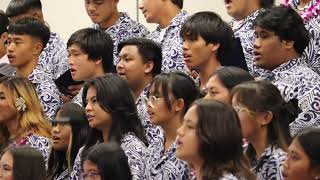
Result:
[169,97]
[265,118]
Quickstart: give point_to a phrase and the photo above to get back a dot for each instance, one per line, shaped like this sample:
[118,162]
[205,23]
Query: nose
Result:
[119,64]
[185,46]
[141,4]
[180,131]
[91,7]
[256,43]
[55,129]
[70,60]
[88,107]
[10,47]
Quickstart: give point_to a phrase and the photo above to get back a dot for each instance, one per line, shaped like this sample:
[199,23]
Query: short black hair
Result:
[97,44]
[19,7]
[211,28]
[32,27]
[148,49]
[267,3]
[4,22]
[178,3]
[287,24]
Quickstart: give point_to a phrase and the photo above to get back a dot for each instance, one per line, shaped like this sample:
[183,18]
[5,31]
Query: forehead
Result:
[259,29]
[74,47]
[214,81]
[129,50]
[191,115]
[7,158]
[23,37]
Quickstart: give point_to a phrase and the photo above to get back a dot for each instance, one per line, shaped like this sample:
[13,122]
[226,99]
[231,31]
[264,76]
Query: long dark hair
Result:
[220,138]
[28,163]
[110,159]
[77,120]
[114,96]
[260,96]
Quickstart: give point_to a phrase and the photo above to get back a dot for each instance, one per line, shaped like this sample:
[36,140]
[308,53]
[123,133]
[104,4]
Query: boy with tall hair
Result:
[170,17]
[244,13]
[26,39]
[90,55]
[5,68]
[139,61]
[105,16]
[54,57]
[206,39]
[278,48]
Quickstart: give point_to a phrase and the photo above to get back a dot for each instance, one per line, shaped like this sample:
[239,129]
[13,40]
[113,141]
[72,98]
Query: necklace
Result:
[306,13]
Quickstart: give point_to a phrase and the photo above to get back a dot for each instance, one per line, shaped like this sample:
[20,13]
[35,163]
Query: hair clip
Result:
[20,104]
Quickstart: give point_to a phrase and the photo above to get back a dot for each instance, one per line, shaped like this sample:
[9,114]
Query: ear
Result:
[288,44]
[148,67]
[4,37]
[98,61]
[266,118]
[37,48]
[215,46]
[178,105]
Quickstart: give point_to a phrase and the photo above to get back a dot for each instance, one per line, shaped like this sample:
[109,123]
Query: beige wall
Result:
[65,21]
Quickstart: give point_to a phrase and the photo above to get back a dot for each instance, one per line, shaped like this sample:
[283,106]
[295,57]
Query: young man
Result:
[277,48]
[169,16]
[244,13]
[26,39]
[5,68]
[105,16]
[206,39]
[90,56]
[54,57]
[139,61]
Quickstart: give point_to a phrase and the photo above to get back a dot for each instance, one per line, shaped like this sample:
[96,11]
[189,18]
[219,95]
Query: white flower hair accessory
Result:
[20,104]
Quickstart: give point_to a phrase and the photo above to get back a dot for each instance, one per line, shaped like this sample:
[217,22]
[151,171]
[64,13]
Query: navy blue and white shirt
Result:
[54,57]
[229,176]
[164,165]
[78,98]
[153,132]
[62,176]
[48,93]
[245,30]
[124,28]
[134,149]
[171,44]
[311,55]
[300,82]
[270,164]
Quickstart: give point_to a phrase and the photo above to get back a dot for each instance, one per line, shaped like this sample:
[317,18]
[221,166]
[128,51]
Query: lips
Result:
[186,57]
[90,117]
[55,139]
[10,57]
[178,143]
[257,55]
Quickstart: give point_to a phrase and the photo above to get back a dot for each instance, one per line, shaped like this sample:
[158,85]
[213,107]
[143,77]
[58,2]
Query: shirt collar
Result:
[246,20]
[177,20]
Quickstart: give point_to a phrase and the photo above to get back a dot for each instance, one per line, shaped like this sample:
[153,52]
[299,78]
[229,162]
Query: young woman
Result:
[264,118]
[19,163]
[22,121]
[223,80]
[303,158]
[169,97]
[112,116]
[210,141]
[106,162]
[69,132]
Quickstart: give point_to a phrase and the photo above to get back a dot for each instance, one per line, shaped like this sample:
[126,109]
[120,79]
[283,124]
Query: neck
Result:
[12,127]
[166,17]
[197,166]
[139,87]
[111,21]
[98,72]
[207,70]
[286,58]
[260,142]
[2,52]
[253,7]
[170,130]
[105,133]
[26,70]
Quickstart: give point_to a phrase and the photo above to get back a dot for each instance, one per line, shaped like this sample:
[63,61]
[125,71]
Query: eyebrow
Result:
[90,98]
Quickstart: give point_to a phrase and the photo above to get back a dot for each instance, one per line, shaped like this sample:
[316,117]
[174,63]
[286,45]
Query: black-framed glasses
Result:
[90,175]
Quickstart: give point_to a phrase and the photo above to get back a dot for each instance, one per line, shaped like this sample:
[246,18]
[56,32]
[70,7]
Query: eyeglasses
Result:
[90,175]
[241,109]
[153,100]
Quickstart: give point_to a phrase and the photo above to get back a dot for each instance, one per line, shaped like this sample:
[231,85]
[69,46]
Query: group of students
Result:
[118,102]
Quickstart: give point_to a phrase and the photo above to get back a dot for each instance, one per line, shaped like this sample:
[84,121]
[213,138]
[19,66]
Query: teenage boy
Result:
[5,68]
[244,13]
[105,16]
[54,57]
[90,55]
[280,40]
[139,61]
[26,39]
[206,39]
[169,16]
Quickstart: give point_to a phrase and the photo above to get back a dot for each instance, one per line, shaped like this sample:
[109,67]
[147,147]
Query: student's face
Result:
[90,171]
[22,50]
[131,66]
[269,50]
[188,141]
[217,91]
[248,120]
[297,165]
[238,9]
[8,111]
[101,11]
[60,134]
[6,167]
[196,53]
[3,39]
[97,117]
[81,67]
[151,10]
